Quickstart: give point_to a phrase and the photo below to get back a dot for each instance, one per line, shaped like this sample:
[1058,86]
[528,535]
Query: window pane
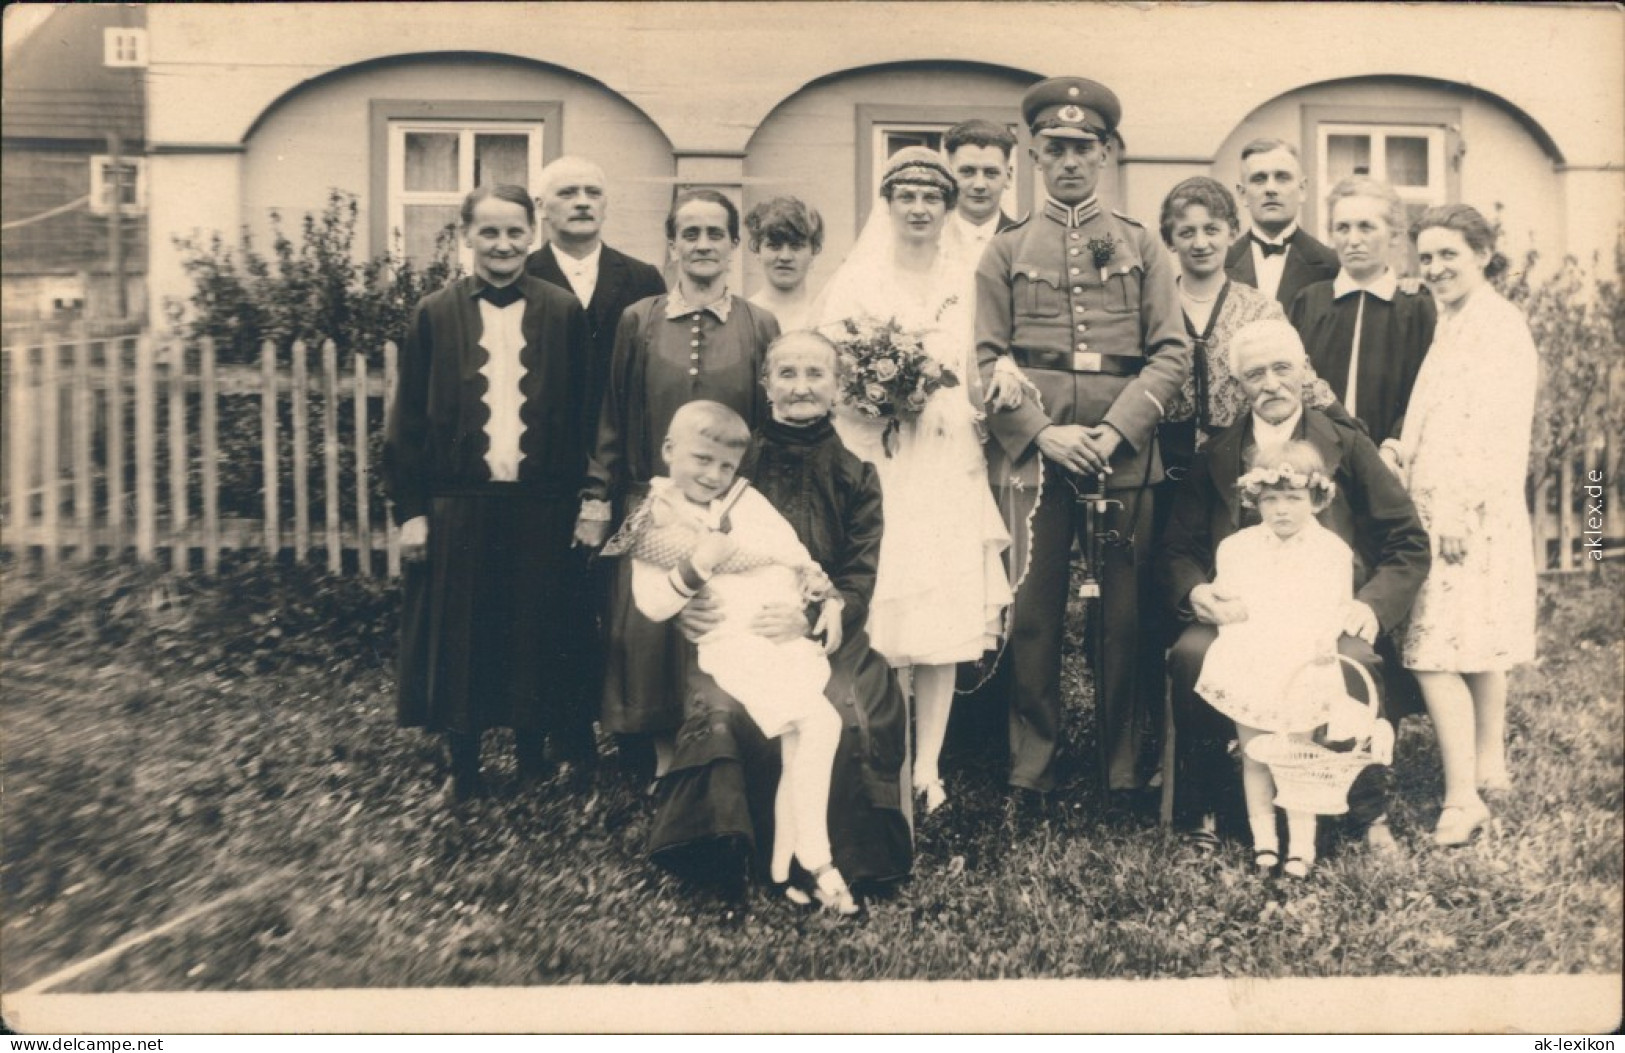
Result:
[431,161]
[896,141]
[1408,160]
[501,159]
[424,224]
[1347,155]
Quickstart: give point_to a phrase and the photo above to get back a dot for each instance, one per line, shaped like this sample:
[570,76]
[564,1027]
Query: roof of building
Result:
[57,85]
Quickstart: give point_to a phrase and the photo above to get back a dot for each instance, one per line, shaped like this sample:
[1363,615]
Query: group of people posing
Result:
[660,509]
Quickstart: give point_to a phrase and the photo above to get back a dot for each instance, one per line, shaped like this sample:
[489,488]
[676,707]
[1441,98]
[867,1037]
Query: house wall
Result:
[318,138]
[736,89]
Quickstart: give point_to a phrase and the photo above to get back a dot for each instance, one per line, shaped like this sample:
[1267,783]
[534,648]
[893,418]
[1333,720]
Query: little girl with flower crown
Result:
[1277,670]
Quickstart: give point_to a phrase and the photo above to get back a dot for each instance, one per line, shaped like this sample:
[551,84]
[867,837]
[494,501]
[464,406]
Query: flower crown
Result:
[1284,476]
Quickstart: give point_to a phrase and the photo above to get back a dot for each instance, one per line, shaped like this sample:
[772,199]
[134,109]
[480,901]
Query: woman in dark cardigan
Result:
[483,457]
[715,812]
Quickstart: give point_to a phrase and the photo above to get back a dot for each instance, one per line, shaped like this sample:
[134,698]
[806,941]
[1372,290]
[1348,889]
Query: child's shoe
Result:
[1265,860]
[1297,868]
[832,894]
[1459,824]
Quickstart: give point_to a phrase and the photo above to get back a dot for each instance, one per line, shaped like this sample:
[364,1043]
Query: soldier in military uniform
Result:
[1081,345]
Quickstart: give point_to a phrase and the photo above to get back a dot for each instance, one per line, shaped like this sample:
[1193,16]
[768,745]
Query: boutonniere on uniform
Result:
[1101,250]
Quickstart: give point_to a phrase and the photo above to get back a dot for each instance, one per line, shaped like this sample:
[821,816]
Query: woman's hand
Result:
[702,614]
[829,623]
[415,539]
[1213,606]
[1389,452]
[1004,388]
[1452,549]
[780,622]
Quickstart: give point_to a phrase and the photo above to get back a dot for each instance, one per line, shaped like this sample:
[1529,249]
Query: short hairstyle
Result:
[799,336]
[1275,333]
[1291,465]
[715,197]
[919,166]
[1470,223]
[516,195]
[555,171]
[1265,145]
[1368,186]
[712,420]
[785,220]
[1198,190]
[979,132]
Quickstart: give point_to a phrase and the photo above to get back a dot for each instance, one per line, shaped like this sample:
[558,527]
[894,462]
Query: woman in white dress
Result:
[941,590]
[1464,453]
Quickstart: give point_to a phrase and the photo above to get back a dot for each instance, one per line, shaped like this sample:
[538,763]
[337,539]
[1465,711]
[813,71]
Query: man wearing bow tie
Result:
[1277,257]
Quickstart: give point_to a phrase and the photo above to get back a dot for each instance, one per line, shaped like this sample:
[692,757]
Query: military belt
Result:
[1080,362]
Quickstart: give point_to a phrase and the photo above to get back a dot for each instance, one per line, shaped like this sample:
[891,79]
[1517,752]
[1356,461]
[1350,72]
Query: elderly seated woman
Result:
[714,818]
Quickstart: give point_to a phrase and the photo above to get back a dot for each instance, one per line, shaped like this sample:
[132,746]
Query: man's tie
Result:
[1268,248]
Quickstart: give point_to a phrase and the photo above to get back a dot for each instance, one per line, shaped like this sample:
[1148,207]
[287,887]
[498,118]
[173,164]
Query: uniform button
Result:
[1082,328]
[1077,308]
[1073,252]
[1074,270]
[693,343]
[1074,235]
[693,372]
[1082,346]
[695,355]
[1077,290]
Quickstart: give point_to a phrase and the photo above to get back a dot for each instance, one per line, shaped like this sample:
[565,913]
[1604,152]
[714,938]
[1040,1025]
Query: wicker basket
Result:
[1311,778]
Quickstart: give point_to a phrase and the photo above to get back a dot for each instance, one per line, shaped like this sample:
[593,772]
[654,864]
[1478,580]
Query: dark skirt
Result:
[646,664]
[716,803]
[488,634]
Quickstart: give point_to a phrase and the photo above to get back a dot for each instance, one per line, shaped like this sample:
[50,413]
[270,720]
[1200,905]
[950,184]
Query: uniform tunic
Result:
[484,641]
[667,353]
[1084,302]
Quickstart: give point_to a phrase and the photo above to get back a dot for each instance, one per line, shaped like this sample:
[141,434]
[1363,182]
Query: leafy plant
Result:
[1577,318]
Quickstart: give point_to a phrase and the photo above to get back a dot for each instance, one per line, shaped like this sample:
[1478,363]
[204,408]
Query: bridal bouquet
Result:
[886,374]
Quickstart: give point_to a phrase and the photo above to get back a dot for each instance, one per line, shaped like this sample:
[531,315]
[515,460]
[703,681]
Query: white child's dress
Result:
[1297,593]
[776,683]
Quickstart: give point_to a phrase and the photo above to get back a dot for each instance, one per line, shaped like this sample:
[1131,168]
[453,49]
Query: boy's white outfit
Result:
[778,684]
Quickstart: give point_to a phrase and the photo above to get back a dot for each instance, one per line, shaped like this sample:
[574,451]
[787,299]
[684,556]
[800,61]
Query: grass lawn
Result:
[169,741]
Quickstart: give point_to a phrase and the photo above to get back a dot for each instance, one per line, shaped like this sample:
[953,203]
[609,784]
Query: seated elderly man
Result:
[1371,512]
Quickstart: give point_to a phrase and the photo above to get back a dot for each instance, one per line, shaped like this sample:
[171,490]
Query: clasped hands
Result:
[1085,450]
[1214,605]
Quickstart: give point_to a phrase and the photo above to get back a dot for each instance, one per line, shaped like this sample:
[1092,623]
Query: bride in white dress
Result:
[941,589]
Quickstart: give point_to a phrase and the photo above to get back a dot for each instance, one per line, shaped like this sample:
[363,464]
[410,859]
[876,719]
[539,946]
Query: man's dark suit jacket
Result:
[1005,223]
[622,282]
[1371,512]
[1307,262]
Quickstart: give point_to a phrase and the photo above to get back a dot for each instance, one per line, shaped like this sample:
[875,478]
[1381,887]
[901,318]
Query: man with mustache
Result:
[574,201]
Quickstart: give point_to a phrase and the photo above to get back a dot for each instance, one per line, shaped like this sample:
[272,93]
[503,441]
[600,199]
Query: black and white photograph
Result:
[541,517]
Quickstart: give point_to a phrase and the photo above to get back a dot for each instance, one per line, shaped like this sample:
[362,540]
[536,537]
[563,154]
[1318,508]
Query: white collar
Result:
[1280,239]
[587,264]
[990,224]
[1267,434]
[676,306]
[1383,287]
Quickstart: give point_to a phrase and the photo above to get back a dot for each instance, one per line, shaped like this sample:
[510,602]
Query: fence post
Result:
[330,455]
[268,429]
[209,423]
[392,533]
[113,355]
[84,507]
[301,454]
[1565,513]
[146,438]
[179,516]
[21,414]
[50,452]
[363,482]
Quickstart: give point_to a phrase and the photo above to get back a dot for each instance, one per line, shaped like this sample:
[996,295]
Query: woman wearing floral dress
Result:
[942,587]
[1464,453]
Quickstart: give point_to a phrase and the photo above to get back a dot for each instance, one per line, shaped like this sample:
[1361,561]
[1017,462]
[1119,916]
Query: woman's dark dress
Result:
[719,793]
[485,642]
[663,359]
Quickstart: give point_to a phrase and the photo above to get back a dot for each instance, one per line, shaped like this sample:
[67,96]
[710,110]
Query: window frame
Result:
[873,119]
[98,184]
[1438,124]
[390,118]
[113,37]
